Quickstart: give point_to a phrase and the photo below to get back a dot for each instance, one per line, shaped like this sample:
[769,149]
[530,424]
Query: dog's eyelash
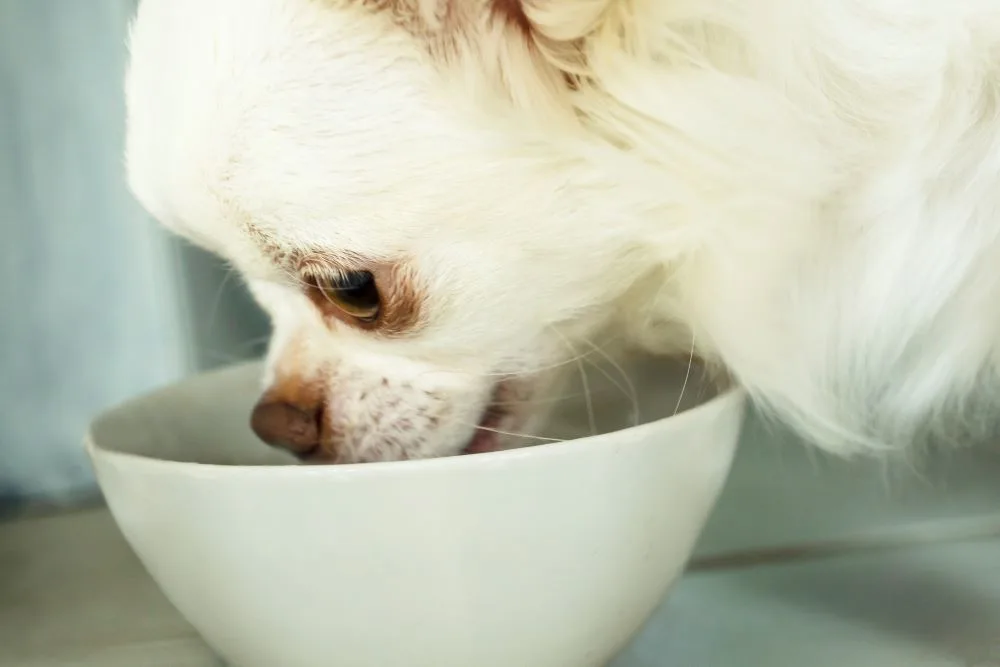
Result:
[321,275]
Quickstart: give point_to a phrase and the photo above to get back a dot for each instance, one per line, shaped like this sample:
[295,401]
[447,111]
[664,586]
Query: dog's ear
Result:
[537,50]
[561,20]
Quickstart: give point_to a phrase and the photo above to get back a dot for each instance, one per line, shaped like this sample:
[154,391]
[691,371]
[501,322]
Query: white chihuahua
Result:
[440,202]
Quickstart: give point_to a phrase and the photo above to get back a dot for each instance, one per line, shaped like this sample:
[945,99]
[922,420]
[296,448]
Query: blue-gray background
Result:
[96,303]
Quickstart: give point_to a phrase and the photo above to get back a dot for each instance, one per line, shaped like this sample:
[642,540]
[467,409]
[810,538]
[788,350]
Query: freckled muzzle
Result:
[295,421]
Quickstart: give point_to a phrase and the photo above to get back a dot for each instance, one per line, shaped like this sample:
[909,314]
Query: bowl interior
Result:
[206,418]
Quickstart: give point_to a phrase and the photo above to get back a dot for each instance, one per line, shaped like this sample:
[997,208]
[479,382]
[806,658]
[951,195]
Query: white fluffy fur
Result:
[806,190]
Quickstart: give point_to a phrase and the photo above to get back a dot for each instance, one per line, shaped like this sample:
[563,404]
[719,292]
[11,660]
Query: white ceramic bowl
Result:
[551,556]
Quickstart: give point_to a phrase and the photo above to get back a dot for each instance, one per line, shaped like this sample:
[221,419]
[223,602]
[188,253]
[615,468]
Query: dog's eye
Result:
[354,293]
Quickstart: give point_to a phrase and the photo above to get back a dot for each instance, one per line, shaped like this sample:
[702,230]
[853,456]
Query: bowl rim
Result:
[733,397]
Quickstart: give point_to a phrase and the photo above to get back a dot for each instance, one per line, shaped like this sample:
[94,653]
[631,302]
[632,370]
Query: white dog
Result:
[442,201]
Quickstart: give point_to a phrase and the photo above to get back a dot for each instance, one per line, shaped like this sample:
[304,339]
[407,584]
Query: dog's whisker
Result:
[585,383]
[540,438]
[213,313]
[591,419]
[575,358]
[687,375]
[629,390]
[502,375]
[632,398]
[542,401]
[512,434]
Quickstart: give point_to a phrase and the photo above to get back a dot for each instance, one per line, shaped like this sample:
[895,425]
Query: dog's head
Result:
[407,191]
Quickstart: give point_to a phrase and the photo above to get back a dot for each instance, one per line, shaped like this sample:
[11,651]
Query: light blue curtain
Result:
[89,305]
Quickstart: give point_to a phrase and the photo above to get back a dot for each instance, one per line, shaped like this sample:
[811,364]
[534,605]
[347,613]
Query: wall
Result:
[89,308]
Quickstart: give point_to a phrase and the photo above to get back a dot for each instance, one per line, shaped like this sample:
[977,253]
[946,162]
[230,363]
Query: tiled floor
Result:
[807,562]
[72,593]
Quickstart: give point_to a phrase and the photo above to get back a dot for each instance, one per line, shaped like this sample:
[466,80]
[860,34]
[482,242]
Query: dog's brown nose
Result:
[291,427]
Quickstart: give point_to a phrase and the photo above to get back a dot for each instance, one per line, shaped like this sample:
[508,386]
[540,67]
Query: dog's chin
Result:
[487,436]
[503,418]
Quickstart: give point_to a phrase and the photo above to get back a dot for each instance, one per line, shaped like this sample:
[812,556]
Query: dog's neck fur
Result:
[825,193]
